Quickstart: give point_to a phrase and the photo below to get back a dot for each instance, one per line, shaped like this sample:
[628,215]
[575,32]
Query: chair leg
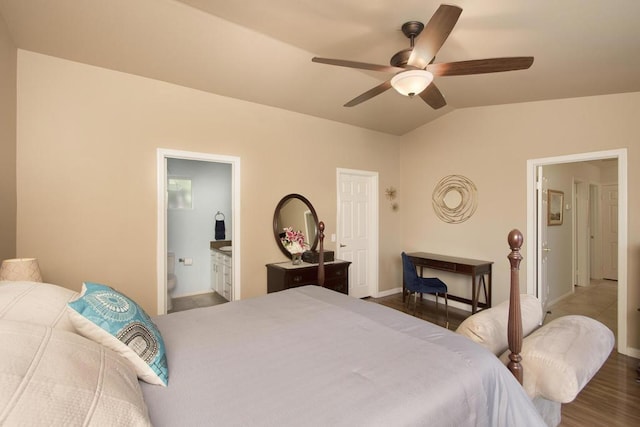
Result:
[407,303]
[446,309]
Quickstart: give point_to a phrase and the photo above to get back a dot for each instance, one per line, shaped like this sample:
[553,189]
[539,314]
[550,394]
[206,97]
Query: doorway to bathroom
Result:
[198,208]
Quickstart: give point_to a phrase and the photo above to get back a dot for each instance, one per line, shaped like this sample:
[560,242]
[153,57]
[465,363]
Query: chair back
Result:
[409,272]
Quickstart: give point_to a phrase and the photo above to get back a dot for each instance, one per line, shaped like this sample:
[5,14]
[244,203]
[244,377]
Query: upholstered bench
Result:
[558,359]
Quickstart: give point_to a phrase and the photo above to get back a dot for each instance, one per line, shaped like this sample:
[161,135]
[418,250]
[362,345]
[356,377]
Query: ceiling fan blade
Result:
[369,94]
[434,35]
[480,66]
[432,96]
[360,65]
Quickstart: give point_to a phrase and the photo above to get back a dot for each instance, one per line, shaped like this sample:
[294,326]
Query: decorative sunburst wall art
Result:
[391,196]
[455,199]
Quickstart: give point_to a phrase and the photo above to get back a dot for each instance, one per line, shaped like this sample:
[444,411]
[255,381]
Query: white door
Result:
[610,232]
[357,227]
[595,257]
[541,235]
[581,230]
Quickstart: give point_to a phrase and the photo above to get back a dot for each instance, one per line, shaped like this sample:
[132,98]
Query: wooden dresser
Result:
[285,275]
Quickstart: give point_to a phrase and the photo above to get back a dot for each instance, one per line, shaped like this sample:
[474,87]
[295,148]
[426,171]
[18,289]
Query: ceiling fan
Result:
[414,67]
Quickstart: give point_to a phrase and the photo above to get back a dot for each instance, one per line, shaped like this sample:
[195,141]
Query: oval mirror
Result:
[297,212]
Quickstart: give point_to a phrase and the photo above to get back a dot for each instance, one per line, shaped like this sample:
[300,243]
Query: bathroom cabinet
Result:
[222,274]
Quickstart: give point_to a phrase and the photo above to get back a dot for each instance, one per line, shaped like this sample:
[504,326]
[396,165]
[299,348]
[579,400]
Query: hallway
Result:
[599,301]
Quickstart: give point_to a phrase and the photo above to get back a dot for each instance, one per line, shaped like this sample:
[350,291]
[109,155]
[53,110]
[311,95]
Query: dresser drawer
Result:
[284,276]
[339,285]
[441,265]
[301,277]
[335,271]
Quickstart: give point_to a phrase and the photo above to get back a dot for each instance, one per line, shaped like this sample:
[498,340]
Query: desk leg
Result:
[482,286]
[489,293]
[474,295]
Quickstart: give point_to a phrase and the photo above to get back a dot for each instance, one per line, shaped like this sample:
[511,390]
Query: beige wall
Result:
[560,272]
[491,145]
[86,175]
[87,171]
[8,54]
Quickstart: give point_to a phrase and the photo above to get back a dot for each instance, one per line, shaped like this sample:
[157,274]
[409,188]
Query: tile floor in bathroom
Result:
[196,301]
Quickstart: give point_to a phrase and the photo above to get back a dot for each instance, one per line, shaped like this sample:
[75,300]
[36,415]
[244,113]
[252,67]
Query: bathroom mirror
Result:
[297,212]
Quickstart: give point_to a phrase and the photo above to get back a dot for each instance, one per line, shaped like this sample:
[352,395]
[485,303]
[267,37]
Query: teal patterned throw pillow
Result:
[108,317]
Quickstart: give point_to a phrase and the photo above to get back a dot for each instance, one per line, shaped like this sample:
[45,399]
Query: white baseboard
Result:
[633,352]
[560,298]
[388,292]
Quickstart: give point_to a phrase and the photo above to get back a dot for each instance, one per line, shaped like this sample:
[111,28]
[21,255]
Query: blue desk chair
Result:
[422,285]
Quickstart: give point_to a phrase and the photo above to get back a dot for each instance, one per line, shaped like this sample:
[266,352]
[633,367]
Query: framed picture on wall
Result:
[554,207]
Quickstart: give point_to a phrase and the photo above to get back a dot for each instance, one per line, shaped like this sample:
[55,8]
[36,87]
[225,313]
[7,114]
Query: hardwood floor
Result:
[612,397]
[426,310]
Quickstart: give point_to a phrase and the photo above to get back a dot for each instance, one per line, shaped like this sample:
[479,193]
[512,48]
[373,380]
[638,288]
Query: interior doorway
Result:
[535,283]
[357,226]
[163,199]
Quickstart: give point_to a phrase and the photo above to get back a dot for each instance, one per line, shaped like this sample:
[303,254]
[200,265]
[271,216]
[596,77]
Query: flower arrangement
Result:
[293,241]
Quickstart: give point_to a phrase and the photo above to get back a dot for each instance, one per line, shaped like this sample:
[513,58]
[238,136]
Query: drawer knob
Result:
[297,279]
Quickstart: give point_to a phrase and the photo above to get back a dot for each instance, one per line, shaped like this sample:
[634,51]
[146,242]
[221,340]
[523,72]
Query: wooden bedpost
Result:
[514,327]
[321,254]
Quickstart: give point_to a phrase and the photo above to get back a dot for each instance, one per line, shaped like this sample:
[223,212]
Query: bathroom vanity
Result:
[221,268]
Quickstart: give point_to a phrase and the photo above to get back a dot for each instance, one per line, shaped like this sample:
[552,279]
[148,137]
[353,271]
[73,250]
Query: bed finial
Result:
[321,254]
[514,328]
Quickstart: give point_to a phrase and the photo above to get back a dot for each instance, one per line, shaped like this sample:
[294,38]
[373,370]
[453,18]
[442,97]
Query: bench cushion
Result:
[489,327]
[560,358]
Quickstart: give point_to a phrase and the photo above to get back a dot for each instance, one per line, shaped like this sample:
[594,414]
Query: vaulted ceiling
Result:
[260,51]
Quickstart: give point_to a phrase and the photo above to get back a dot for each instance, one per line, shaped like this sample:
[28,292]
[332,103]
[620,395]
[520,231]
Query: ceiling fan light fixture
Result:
[411,82]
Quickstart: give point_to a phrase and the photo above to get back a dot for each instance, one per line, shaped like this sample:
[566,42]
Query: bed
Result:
[304,356]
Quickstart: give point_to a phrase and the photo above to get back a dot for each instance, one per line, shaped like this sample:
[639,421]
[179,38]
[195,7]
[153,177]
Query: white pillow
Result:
[57,378]
[489,327]
[39,303]
[112,319]
[560,358]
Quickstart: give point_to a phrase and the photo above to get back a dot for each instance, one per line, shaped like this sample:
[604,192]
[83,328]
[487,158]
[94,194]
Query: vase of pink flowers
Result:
[293,242]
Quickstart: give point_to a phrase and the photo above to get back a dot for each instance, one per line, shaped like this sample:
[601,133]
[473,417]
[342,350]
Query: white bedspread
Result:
[310,356]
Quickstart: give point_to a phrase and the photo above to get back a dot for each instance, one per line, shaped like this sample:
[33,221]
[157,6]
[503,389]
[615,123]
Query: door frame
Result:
[532,250]
[578,262]
[162,155]
[373,217]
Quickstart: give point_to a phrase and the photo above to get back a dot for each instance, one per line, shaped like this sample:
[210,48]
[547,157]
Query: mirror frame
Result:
[276,228]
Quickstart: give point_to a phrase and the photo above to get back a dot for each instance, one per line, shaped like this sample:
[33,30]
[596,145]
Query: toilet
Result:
[171,277]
